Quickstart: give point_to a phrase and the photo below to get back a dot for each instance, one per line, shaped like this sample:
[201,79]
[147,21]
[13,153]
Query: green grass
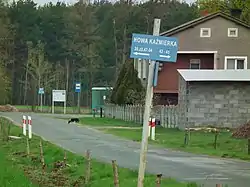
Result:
[97,121]
[58,109]
[11,176]
[200,142]
[16,168]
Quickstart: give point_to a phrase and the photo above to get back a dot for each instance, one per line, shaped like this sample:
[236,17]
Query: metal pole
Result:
[78,102]
[148,103]
[41,102]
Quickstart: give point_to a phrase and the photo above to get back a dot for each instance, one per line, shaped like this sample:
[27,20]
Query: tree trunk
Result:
[124,45]
[26,84]
[116,56]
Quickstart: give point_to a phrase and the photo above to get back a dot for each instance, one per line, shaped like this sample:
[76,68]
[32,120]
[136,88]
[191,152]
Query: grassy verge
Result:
[19,169]
[200,142]
[106,122]
[47,109]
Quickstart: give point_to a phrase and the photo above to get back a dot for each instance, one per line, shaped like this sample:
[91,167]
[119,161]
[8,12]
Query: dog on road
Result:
[76,120]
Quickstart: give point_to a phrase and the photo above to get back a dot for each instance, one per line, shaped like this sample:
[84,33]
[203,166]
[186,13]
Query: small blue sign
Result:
[41,91]
[78,87]
[151,47]
[156,70]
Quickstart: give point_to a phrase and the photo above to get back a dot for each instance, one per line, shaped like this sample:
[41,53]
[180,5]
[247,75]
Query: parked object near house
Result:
[214,41]
[217,98]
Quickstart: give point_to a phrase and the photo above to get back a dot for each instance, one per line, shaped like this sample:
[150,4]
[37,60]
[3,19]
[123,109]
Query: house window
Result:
[235,62]
[232,32]
[205,32]
[195,63]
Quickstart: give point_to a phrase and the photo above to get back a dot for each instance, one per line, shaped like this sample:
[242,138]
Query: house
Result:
[214,41]
[218,98]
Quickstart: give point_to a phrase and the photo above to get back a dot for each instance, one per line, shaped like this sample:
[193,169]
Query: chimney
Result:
[236,12]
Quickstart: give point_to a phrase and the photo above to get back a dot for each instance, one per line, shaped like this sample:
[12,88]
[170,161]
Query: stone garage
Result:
[213,98]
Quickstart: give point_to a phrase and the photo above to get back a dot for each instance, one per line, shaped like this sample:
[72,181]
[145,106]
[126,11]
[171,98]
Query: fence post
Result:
[153,129]
[149,126]
[24,126]
[116,175]
[30,127]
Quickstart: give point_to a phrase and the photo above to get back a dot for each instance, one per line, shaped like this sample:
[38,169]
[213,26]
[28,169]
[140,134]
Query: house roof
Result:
[203,19]
[214,75]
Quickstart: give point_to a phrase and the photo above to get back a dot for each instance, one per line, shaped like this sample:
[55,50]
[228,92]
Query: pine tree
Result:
[128,88]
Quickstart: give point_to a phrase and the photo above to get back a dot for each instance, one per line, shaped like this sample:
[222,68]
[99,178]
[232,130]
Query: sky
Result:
[41,2]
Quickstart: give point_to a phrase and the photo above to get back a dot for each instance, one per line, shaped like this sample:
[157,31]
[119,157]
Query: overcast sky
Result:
[41,2]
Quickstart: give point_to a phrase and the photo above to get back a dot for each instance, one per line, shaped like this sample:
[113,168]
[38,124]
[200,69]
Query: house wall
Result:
[190,40]
[223,104]
[182,103]
[168,77]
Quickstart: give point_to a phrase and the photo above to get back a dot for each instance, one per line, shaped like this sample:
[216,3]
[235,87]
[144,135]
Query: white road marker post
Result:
[153,129]
[30,127]
[148,103]
[24,126]
[149,126]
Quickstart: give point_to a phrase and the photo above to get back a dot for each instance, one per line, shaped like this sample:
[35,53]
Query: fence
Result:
[134,113]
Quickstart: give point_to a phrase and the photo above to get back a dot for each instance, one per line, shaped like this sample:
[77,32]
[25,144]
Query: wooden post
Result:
[248,146]
[158,180]
[65,158]
[28,146]
[41,155]
[115,172]
[215,139]
[88,165]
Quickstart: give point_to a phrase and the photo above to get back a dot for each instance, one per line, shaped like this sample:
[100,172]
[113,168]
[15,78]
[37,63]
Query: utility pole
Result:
[148,105]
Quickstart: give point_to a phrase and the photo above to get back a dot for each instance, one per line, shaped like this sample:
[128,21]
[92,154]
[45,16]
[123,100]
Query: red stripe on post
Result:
[153,122]
[150,122]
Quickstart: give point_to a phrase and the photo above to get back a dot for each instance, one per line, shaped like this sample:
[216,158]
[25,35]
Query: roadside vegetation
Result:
[200,142]
[44,164]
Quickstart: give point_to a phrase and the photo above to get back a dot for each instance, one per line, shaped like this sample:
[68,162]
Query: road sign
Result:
[151,47]
[78,87]
[41,91]
[59,95]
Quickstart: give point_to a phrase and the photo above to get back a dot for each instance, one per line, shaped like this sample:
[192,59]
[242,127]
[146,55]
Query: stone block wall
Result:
[223,104]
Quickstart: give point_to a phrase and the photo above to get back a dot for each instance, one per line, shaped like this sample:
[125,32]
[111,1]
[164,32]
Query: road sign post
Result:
[153,48]
[78,91]
[41,93]
[58,96]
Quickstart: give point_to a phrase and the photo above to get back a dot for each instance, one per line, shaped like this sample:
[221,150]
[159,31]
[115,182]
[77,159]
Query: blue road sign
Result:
[41,91]
[78,87]
[151,47]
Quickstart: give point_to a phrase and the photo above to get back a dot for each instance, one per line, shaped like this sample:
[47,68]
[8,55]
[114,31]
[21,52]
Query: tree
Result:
[128,88]
[38,68]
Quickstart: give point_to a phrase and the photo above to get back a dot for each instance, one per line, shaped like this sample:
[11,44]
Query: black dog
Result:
[73,120]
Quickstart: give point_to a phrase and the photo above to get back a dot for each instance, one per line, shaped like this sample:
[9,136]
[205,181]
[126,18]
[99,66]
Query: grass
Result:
[19,170]
[200,142]
[58,109]
[97,121]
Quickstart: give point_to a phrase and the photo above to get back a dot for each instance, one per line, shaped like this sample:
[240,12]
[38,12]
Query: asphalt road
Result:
[179,165]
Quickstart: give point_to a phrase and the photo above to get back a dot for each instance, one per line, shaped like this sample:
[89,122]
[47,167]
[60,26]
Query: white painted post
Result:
[24,125]
[30,127]
[153,129]
[149,126]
